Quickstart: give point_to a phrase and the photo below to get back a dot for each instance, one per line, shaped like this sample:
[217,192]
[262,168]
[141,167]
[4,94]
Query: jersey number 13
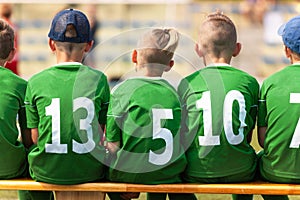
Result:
[85,124]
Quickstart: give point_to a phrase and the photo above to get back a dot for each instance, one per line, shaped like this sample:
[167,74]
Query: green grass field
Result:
[8,195]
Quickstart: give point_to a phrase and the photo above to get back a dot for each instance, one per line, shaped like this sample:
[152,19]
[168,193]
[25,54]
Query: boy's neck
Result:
[64,57]
[211,60]
[2,63]
[151,74]
[150,70]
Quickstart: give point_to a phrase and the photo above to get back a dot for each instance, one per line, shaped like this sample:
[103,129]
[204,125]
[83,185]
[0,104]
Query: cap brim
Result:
[281,29]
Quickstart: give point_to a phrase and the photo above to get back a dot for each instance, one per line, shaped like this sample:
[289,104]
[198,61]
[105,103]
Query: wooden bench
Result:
[97,190]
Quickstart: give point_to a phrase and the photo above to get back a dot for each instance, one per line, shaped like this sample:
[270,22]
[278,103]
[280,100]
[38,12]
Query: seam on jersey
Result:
[116,116]
[28,104]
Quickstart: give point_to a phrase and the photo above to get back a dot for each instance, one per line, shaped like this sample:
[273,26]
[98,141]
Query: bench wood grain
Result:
[256,187]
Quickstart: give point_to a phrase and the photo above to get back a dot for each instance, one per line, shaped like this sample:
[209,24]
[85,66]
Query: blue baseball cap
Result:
[65,18]
[290,33]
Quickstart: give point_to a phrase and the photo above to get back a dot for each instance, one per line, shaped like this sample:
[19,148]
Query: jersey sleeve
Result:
[104,100]
[262,107]
[114,118]
[21,113]
[254,106]
[31,109]
[184,131]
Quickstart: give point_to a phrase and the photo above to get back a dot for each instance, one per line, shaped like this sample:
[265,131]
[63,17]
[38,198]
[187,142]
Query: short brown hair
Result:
[6,39]
[217,34]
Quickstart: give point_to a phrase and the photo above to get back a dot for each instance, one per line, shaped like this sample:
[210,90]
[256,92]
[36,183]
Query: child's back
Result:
[67,104]
[147,113]
[13,159]
[219,107]
[144,119]
[68,98]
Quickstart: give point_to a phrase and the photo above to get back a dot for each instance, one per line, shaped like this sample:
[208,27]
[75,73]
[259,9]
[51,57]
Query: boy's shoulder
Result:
[126,85]
[219,70]
[80,68]
[136,83]
[8,75]
[217,74]
[283,74]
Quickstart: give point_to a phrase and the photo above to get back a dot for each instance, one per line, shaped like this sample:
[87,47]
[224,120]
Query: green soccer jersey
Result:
[13,156]
[219,110]
[279,111]
[144,115]
[66,103]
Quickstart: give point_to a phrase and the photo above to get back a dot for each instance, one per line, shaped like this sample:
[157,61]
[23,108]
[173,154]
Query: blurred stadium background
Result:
[122,21]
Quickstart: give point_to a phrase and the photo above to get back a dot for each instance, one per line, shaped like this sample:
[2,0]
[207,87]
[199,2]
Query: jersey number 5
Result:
[162,133]
[205,103]
[85,124]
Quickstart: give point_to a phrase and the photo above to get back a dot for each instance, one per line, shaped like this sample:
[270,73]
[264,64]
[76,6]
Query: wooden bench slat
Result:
[256,187]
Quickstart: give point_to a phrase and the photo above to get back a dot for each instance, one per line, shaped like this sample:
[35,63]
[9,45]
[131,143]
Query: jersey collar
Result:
[218,65]
[148,77]
[67,63]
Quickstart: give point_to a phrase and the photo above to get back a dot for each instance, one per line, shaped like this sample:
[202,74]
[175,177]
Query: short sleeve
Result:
[262,107]
[22,114]
[184,131]
[114,119]
[254,104]
[105,94]
[31,109]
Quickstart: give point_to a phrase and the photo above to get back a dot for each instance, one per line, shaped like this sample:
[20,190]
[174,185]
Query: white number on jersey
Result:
[295,142]
[85,124]
[162,133]
[205,103]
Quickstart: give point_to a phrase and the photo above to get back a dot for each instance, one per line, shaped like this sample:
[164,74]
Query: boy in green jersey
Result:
[14,157]
[278,116]
[143,120]
[219,109]
[66,108]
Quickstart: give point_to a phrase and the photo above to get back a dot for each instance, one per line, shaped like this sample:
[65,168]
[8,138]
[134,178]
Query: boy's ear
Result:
[11,55]
[198,50]
[134,56]
[169,67]
[89,46]
[237,49]
[51,45]
[287,51]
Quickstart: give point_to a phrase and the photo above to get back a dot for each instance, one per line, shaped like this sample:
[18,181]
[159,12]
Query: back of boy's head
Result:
[70,26]
[6,10]
[6,39]
[290,33]
[217,35]
[158,45]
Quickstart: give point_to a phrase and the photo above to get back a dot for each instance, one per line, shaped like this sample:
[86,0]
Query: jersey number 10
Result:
[205,103]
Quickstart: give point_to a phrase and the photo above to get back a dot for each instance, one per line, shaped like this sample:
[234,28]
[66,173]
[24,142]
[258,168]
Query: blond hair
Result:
[158,45]
[6,39]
